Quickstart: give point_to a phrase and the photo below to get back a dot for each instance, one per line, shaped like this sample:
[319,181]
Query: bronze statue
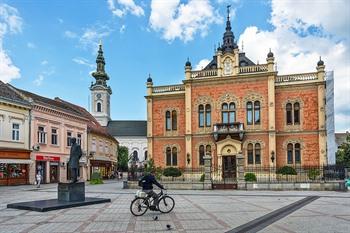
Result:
[75,155]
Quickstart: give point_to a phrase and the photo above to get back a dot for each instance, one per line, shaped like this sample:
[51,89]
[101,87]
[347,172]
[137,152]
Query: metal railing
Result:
[187,175]
[303,174]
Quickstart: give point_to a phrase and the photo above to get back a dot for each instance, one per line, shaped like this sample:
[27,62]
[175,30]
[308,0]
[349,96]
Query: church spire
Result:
[100,74]
[228,39]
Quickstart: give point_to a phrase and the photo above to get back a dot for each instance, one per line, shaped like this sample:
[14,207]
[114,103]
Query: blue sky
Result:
[49,47]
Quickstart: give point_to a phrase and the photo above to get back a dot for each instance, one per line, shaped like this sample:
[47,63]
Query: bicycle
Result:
[142,202]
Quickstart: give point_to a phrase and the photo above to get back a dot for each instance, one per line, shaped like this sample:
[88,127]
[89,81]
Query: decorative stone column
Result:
[240,171]
[207,172]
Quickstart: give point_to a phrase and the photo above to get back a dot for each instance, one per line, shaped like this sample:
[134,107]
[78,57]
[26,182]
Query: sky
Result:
[50,47]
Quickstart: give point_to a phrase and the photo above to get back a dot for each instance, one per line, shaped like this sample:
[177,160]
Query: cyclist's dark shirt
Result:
[147,182]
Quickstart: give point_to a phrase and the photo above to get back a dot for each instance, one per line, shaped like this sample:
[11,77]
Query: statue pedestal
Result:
[71,191]
[69,195]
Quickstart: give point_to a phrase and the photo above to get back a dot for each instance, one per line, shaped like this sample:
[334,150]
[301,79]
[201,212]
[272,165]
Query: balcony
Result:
[235,130]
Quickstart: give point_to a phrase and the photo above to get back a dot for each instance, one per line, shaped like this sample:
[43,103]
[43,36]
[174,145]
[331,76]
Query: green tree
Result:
[123,158]
[343,153]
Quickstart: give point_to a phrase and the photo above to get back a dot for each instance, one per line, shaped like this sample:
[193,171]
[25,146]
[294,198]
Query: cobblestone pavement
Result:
[195,211]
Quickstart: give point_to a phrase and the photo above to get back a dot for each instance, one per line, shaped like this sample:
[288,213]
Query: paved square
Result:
[195,211]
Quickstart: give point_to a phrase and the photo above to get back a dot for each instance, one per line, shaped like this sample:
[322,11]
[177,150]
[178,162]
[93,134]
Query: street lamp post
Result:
[272,160]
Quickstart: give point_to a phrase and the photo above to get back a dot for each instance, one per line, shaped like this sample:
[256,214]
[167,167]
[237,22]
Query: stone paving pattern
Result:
[195,211]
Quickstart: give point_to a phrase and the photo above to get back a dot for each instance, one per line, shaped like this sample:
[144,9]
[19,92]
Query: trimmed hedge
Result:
[250,177]
[313,174]
[202,178]
[286,170]
[171,171]
[96,178]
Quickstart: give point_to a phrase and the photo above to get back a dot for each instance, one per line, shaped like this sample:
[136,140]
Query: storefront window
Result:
[13,171]
[3,170]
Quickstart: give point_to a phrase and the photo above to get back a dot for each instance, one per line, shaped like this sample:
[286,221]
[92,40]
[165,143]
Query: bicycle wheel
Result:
[139,206]
[166,204]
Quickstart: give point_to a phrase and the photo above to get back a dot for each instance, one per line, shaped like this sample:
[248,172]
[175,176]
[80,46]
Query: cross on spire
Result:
[228,12]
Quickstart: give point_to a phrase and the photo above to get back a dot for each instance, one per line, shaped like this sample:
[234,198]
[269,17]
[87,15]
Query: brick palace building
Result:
[234,107]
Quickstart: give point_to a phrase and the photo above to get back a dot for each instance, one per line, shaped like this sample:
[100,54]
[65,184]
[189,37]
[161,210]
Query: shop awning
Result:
[102,158]
[18,161]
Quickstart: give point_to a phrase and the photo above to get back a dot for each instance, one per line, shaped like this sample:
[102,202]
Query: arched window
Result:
[296,113]
[249,113]
[99,107]
[250,153]
[224,113]
[146,155]
[290,153]
[135,156]
[174,120]
[297,153]
[167,120]
[201,155]
[201,115]
[257,112]
[257,153]
[289,113]
[174,157]
[208,149]
[168,156]
[207,115]
[232,113]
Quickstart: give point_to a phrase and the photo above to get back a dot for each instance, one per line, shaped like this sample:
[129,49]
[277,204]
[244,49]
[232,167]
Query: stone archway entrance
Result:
[224,176]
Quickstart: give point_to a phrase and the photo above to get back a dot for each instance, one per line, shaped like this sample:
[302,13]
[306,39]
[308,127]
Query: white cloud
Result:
[83,61]
[201,64]
[178,20]
[39,80]
[10,22]
[70,34]
[44,62]
[122,7]
[91,36]
[7,70]
[122,29]
[300,36]
[31,45]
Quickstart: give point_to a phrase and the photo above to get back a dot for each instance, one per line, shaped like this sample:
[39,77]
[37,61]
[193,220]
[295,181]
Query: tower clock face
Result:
[98,96]
[228,67]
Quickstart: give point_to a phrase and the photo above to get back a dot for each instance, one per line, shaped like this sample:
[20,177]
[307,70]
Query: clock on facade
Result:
[98,96]
[227,67]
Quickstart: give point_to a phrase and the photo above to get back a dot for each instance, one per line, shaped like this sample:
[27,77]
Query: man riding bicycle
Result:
[146,183]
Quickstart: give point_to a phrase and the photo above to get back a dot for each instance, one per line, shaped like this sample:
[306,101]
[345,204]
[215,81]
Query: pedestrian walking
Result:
[38,179]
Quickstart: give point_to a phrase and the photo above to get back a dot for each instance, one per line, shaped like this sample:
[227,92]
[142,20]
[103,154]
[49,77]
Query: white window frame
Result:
[16,132]
[54,134]
[79,138]
[69,143]
[93,145]
[41,135]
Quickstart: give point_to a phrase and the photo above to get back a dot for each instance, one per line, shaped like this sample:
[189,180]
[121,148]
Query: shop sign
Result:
[47,158]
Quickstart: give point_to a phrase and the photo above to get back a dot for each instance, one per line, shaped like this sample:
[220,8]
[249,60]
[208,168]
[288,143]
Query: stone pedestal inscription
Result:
[71,191]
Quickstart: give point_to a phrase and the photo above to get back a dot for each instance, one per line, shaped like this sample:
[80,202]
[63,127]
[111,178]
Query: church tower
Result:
[100,92]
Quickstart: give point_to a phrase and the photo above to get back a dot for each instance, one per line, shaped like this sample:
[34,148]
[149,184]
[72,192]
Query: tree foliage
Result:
[343,153]
[123,158]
